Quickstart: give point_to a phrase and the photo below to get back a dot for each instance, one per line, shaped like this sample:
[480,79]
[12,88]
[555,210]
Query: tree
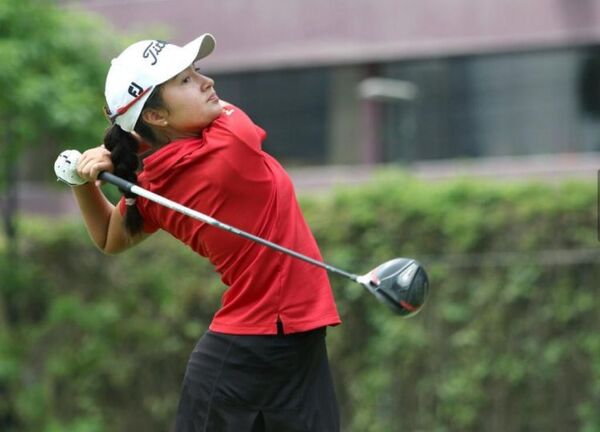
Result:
[52,67]
[52,74]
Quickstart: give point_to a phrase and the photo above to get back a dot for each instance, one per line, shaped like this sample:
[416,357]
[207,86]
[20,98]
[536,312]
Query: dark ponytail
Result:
[123,148]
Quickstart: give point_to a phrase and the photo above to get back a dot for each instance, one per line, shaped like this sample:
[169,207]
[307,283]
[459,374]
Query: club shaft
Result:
[133,188]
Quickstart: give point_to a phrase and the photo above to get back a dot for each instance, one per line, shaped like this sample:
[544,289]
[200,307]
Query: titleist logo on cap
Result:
[153,50]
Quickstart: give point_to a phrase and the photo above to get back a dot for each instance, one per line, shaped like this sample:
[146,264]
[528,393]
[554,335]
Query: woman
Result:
[262,365]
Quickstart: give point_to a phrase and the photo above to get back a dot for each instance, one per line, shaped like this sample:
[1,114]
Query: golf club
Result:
[401,283]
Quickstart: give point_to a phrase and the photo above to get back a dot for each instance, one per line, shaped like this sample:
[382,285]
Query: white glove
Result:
[65,168]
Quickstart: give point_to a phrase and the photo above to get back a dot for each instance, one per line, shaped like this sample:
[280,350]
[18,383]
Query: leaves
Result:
[510,331]
[52,74]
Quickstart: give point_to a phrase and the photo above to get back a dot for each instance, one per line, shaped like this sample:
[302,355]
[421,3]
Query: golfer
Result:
[262,365]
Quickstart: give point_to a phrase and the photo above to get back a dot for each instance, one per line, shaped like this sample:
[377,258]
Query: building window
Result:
[291,105]
[491,105]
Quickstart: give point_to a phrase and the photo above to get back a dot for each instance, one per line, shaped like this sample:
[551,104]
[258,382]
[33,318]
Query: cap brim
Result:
[202,46]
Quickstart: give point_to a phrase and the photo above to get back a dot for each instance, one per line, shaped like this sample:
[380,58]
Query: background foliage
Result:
[508,341]
[53,63]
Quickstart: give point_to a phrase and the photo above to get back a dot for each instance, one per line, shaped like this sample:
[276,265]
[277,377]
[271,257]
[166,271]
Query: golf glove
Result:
[65,168]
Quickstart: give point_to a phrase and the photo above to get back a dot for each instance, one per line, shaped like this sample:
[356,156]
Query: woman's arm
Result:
[102,219]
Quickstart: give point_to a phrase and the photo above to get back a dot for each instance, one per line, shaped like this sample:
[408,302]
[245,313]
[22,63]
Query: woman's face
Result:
[191,103]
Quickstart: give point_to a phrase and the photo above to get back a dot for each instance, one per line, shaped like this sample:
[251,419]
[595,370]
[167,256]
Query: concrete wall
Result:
[266,34]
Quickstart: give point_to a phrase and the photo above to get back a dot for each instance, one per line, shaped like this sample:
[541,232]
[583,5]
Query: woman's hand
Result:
[94,161]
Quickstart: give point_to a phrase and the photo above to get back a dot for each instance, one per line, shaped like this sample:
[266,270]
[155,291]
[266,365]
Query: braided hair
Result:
[124,148]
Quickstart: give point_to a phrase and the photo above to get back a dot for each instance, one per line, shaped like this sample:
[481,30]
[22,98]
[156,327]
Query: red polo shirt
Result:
[226,174]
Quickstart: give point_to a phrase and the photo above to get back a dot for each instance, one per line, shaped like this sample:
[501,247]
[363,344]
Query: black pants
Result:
[258,384]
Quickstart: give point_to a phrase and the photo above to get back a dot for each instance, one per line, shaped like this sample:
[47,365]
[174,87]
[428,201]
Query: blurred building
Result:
[395,81]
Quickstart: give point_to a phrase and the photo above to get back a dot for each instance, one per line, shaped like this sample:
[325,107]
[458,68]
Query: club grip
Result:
[117,181]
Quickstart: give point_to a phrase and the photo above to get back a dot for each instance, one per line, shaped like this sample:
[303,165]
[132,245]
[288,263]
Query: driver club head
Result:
[401,283]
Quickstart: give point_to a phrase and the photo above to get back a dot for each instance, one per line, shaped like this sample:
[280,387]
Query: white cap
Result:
[142,66]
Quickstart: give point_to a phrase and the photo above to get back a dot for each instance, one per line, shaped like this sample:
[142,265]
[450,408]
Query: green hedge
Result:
[508,341]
